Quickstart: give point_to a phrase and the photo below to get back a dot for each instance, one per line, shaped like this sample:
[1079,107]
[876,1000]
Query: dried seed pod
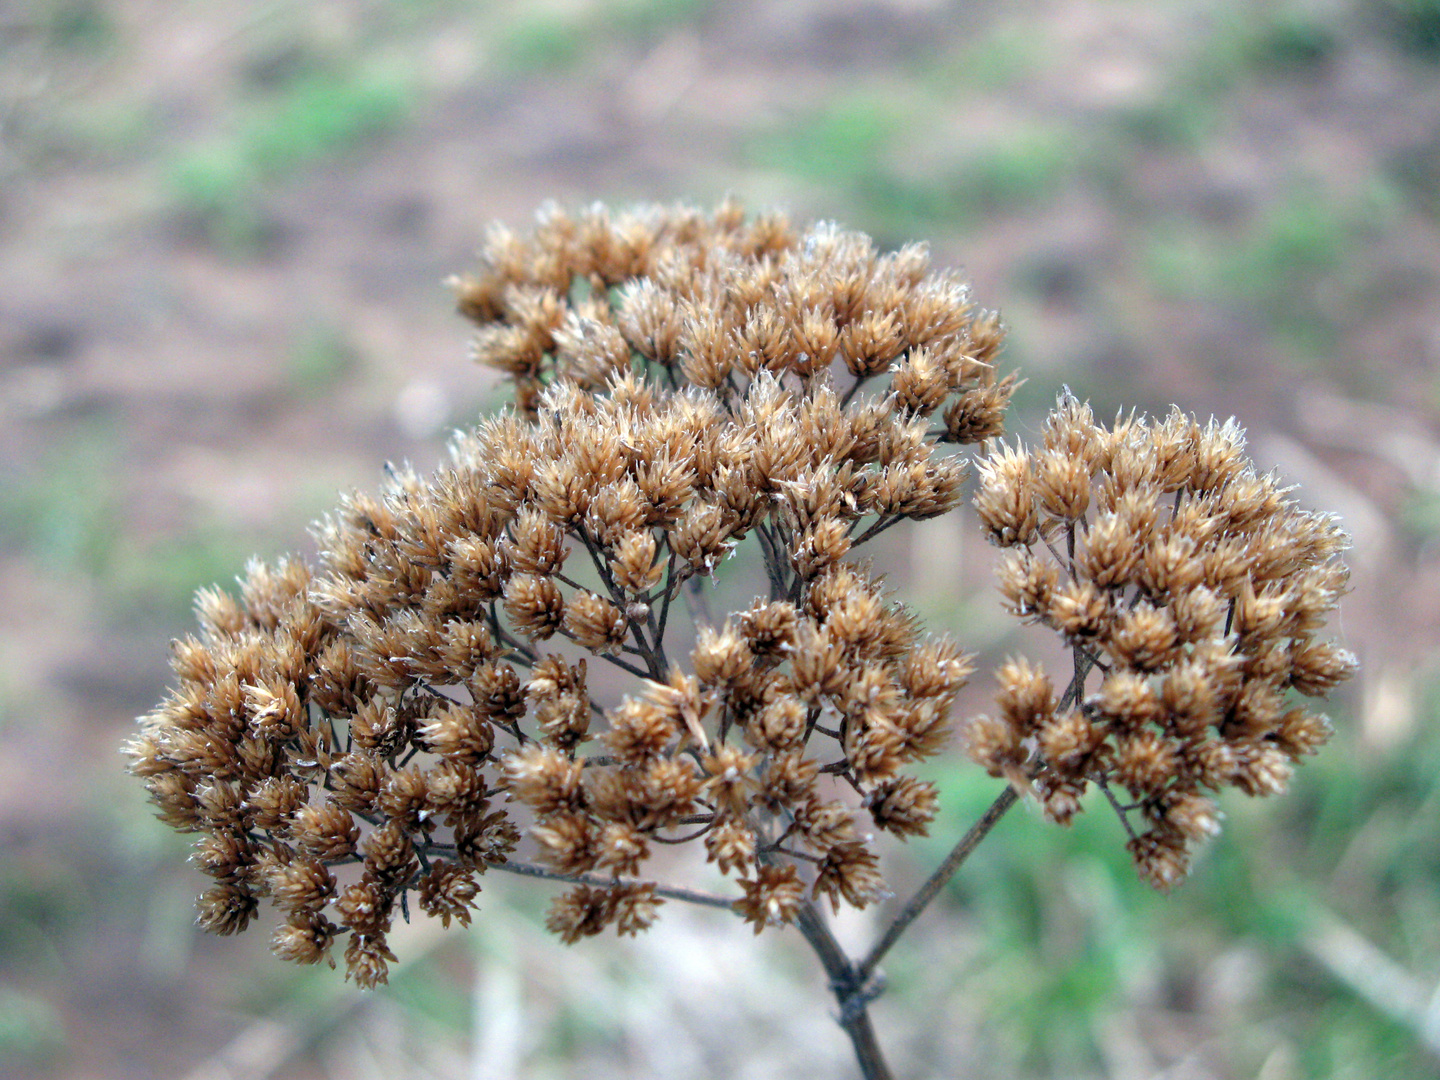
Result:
[730,844]
[535,605]
[904,806]
[305,938]
[772,898]
[327,832]
[595,623]
[1006,500]
[448,891]
[302,885]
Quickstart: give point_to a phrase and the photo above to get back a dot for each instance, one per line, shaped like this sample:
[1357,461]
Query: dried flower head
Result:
[366,736]
[1191,590]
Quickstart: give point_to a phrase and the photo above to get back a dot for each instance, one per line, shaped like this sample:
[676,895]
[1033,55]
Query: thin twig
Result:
[672,892]
[881,524]
[943,873]
[1067,565]
[623,665]
[860,381]
[1120,811]
[696,602]
[668,595]
[710,824]
[774,562]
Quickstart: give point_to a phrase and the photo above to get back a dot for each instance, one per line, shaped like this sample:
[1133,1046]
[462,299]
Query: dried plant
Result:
[380,729]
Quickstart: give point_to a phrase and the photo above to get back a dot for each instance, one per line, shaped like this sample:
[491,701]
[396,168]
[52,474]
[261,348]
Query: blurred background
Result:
[223,231]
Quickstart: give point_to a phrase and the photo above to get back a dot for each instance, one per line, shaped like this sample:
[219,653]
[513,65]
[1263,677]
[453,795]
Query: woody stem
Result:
[943,873]
[851,992]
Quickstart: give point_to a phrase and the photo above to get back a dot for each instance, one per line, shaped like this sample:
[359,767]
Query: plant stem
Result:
[849,987]
[943,873]
[514,866]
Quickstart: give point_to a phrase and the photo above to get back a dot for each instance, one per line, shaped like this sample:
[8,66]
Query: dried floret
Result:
[849,871]
[904,806]
[327,832]
[305,938]
[448,891]
[772,898]
[303,884]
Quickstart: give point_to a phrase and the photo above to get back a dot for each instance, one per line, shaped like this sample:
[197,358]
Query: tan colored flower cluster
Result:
[711,300]
[354,739]
[1195,587]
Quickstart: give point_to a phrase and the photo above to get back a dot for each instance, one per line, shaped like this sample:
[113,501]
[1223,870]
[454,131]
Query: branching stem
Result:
[671,892]
[943,873]
[852,989]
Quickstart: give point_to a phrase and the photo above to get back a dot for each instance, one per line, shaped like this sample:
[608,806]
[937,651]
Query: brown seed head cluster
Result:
[1198,590]
[357,740]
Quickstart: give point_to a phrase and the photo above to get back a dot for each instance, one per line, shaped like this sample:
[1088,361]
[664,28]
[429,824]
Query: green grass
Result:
[1071,939]
[81,26]
[1412,25]
[68,516]
[32,1032]
[1005,55]
[300,106]
[647,17]
[312,117]
[1240,46]
[1291,40]
[848,147]
[858,148]
[433,996]
[549,41]
[1019,173]
[1414,172]
[322,355]
[542,41]
[63,512]
[840,140]
[1248,42]
[166,574]
[1066,926]
[1292,265]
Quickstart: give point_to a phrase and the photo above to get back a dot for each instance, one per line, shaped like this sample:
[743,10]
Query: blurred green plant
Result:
[1001,56]
[1413,25]
[1420,515]
[83,26]
[559,39]
[42,899]
[435,998]
[1415,171]
[1064,929]
[1068,939]
[32,1033]
[165,574]
[67,516]
[321,354]
[1018,174]
[1292,39]
[859,148]
[1240,45]
[649,16]
[62,511]
[542,41]
[1289,263]
[307,118]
